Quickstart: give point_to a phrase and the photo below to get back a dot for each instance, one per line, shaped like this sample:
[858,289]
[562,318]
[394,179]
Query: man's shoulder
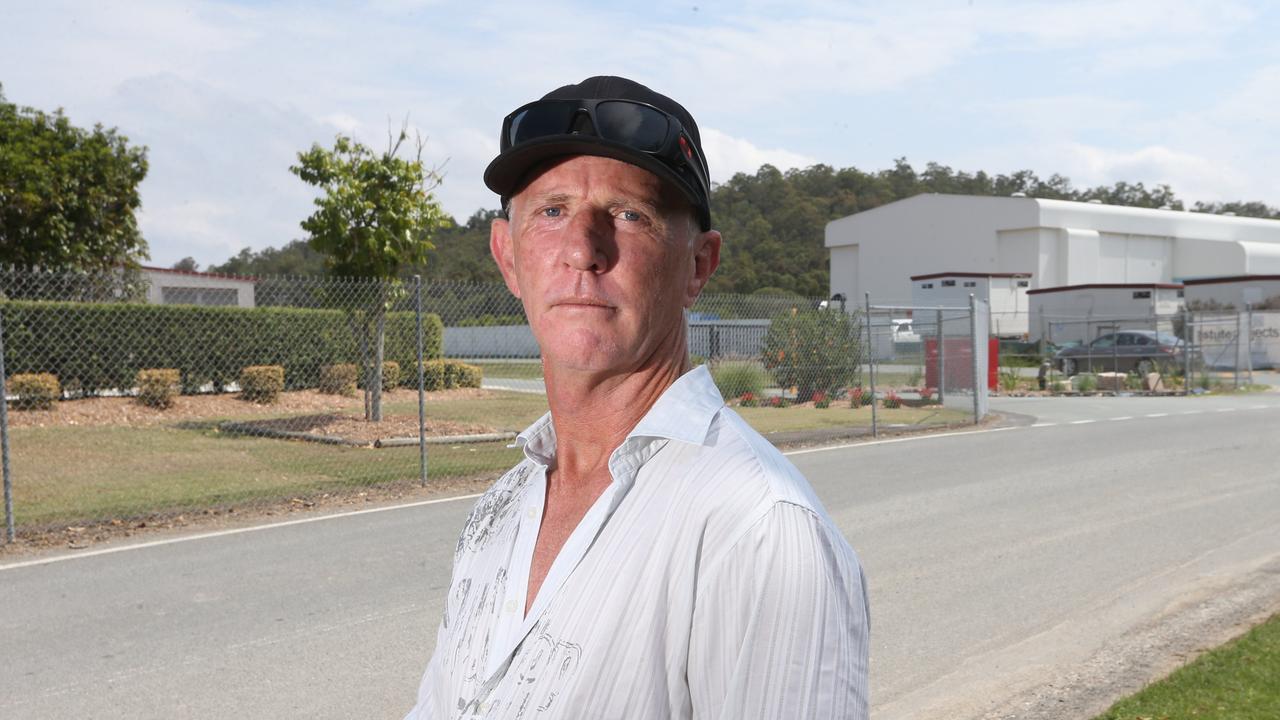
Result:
[760,465]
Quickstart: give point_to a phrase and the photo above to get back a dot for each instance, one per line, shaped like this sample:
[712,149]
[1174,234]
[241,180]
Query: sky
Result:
[225,94]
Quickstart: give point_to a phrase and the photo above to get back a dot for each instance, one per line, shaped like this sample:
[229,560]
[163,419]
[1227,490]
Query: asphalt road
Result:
[996,560]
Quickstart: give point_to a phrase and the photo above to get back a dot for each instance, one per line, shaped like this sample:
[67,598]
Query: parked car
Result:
[903,332]
[1140,351]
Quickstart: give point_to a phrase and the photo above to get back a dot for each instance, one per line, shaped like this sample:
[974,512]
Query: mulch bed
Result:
[127,412]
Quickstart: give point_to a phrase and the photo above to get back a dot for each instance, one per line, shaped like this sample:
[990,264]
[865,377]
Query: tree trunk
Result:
[375,404]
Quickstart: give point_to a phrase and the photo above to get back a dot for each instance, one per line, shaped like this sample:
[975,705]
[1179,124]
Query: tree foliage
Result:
[67,195]
[773,222]
[375,217]
[814,351]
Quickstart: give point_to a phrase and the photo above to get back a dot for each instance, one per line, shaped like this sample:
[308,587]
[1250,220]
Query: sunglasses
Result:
[637,125]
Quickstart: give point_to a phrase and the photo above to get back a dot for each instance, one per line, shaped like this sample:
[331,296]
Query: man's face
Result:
[604,258]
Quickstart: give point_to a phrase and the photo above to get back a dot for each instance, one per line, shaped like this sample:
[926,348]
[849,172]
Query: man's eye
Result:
[631,215]
[551,212]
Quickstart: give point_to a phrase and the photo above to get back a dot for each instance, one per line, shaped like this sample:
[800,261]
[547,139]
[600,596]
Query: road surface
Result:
[998,561]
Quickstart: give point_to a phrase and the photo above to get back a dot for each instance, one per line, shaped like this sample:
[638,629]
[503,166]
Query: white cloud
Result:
[728,155]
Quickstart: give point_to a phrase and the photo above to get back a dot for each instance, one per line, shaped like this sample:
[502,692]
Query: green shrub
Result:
[813,350]
[102,346]
[339,379]
[735,378]
[468,376]
[892,401]
[1086,382]
[449,374]
[34,391]
[390,375]
[158,386]
[859,397]
[1009,378]
[262,383]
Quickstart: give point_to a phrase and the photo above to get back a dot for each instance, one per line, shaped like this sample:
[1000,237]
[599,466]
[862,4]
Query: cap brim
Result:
[506,174]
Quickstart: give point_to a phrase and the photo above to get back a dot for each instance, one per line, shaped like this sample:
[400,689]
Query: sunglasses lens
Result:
[643,128]
[541,120]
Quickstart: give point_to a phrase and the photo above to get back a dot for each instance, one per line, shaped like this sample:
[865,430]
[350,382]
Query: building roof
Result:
[932,276]
[194,273]
[1232,279]
[1108,286]
[1013,213]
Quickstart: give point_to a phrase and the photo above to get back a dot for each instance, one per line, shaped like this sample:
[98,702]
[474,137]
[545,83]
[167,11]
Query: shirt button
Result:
[532,513]
[511,606]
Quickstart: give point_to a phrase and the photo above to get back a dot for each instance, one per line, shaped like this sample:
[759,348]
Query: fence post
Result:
[1187,347]
[1248,340]
[4,443]
[978,376]
[871,366]
[942,365]
[422,402]
[1239,341]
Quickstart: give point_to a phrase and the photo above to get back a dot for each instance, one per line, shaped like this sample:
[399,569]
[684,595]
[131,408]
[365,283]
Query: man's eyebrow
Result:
[557,198]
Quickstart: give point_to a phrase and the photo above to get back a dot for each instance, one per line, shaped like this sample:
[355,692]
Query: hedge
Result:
[156,387]
[262,383]
[93,347]
[34,391]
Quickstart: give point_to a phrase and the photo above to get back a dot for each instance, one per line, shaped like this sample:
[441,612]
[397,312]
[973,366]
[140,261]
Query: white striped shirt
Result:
[706,582]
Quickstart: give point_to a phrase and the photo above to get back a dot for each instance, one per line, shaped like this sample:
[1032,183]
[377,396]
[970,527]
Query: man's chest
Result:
[619,623]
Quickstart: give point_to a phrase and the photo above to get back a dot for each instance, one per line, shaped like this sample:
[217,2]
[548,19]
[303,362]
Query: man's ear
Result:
[706,258]
[502,248]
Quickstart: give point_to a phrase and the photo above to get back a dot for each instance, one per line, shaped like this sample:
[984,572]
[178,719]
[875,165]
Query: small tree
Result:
[814,350]
[376,215]
[67,195]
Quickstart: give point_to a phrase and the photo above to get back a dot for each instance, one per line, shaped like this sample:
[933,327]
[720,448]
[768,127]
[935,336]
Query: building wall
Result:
[1081,315]
[1235,294]
[1059,242]
[160,280]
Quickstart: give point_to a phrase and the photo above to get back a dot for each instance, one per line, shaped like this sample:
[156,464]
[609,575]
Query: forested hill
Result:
[773,222]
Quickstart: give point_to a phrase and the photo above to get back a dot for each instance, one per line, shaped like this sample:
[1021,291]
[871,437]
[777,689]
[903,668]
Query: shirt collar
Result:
[683,412]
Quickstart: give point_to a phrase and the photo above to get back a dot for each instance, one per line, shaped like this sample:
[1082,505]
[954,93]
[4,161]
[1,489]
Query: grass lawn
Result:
[1238,681]
[70,474]
[801,417]
[501,369]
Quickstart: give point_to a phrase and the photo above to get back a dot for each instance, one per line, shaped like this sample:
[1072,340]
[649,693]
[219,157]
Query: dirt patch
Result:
[354,428]
[127,412]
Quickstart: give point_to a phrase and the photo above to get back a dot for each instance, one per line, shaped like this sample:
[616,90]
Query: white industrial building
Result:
[1060,243]
[185,287]
[1080,313]
[1233,293]
[1004,293]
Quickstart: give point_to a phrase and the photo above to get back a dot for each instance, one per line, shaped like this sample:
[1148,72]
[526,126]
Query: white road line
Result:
[1226,409]
[233,531]
[1082,422]
[1122,417]
[1251,407]
[1156,415]
[909,438]
[1190,412]
[1036,425]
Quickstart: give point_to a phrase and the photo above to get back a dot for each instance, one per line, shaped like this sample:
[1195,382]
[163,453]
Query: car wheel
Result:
[1145,366]
[1068,367]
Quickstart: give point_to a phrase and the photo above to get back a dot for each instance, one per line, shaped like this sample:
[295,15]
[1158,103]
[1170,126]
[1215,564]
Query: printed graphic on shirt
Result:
[536,676]
[492,512]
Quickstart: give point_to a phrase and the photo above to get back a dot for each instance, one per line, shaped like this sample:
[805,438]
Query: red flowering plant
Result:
[891,400]
[748,399]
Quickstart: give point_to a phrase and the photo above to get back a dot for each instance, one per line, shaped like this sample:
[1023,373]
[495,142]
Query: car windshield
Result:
[1167,338]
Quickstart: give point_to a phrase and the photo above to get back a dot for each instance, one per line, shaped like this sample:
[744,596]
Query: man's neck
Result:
[592,416]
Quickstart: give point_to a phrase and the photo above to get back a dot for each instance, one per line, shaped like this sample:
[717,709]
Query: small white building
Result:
[1004,293]
[1233,293]
[185,287]
[1080,313]
[1062,243]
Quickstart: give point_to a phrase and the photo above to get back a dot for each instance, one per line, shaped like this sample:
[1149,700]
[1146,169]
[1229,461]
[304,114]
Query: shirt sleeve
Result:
[781,625]
[425,707]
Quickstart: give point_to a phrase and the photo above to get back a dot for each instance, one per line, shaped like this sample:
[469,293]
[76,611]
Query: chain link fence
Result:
[143,396]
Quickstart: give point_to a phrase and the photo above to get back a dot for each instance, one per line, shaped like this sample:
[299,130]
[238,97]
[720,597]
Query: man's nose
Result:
[586,242]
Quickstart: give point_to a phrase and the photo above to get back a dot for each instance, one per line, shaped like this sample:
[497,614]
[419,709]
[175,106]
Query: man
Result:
[652,556]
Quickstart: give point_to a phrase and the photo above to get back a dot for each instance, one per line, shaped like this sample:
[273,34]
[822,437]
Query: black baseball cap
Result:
[610,117]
